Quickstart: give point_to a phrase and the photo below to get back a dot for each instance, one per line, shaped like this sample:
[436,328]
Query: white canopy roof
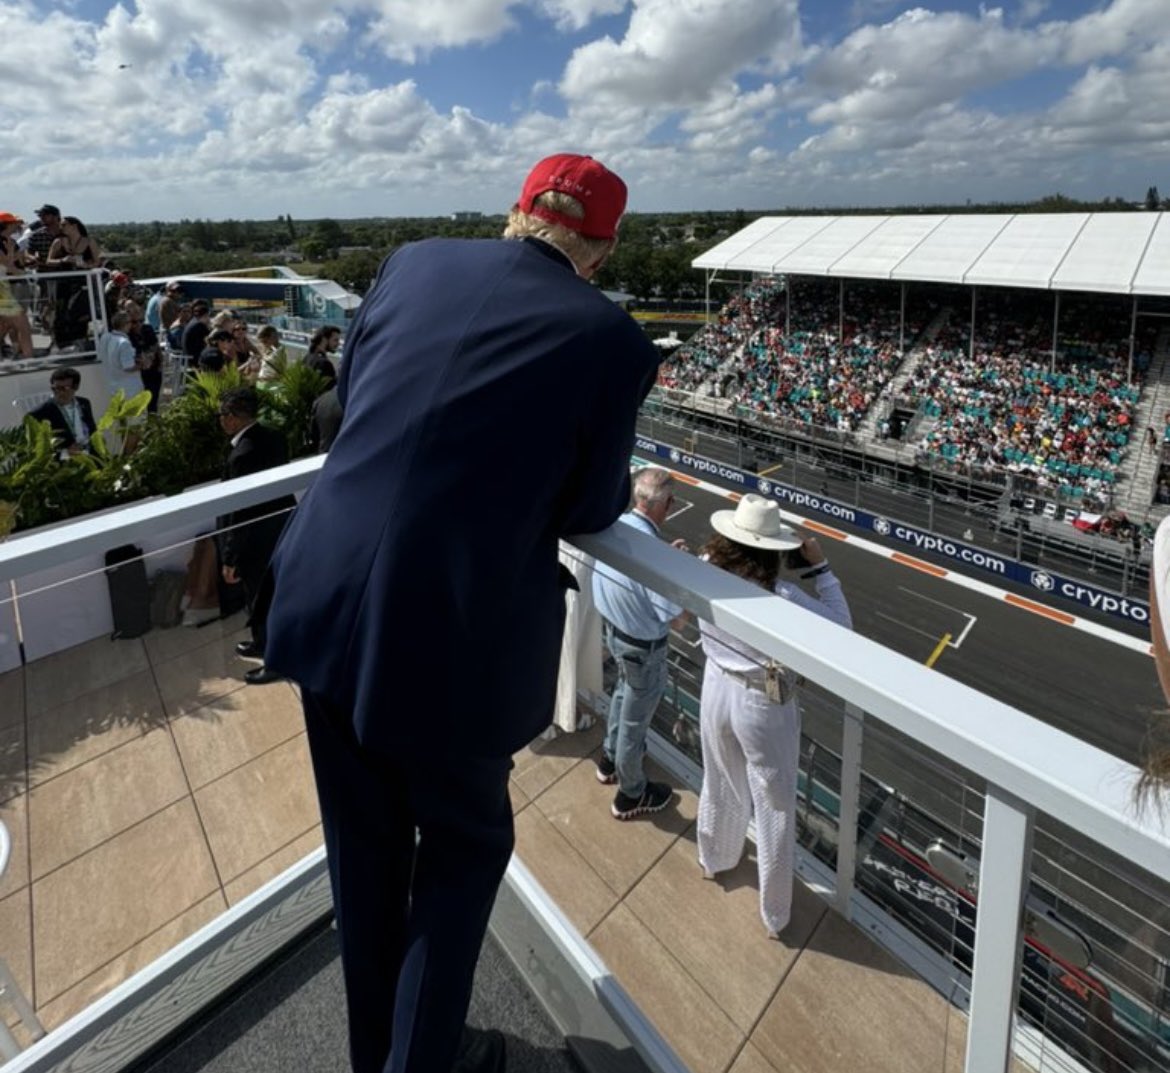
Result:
[1118,252]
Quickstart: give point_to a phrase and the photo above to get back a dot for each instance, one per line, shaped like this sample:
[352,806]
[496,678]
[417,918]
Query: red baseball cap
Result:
[600,191]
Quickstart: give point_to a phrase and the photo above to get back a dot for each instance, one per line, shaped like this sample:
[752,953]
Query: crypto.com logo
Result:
[1042,581]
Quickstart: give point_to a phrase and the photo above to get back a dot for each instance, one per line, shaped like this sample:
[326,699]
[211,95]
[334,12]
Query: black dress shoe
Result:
[481,1051]
[261,676]
[249,650]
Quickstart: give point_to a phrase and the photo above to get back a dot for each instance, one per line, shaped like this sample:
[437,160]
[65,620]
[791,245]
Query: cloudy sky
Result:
[162,109]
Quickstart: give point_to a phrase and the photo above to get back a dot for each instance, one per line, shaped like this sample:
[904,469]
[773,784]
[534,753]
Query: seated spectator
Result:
[70,414]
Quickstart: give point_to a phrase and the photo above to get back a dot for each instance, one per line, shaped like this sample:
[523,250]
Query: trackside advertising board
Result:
[890,531]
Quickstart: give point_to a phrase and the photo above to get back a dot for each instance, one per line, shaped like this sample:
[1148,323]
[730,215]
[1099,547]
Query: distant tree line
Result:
[652,260]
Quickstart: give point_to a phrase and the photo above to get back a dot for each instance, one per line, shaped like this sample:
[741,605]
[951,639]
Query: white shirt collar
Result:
[237,437]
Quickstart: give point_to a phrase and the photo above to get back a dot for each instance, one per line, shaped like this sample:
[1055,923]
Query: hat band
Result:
[573,223]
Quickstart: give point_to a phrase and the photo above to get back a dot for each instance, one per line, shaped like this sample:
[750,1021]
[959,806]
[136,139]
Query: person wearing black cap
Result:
[43,234]
[441,503]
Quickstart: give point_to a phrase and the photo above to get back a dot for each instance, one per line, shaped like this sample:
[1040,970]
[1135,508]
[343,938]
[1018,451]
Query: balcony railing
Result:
[1019,777]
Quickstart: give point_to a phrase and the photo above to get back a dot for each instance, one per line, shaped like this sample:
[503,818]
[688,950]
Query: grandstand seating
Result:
[1006,406]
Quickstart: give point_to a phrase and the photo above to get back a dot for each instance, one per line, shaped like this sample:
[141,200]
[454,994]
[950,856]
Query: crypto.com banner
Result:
[798,500]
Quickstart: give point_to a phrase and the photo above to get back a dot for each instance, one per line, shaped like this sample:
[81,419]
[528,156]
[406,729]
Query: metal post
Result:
[1132,333]
[995,978]
[1055,329]
[971,347]
[902,323]
[850,805]
[841,313]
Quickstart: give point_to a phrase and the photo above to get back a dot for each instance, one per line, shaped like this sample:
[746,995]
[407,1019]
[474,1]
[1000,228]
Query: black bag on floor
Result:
[129,591]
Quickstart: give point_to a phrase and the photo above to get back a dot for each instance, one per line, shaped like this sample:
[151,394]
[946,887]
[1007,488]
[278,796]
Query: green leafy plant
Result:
[184,445]
[40,483]
[287,401]
[134,454]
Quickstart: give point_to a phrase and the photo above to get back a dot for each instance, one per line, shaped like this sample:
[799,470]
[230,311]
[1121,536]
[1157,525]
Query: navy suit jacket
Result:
[248,547]
[490,396]
[51,412]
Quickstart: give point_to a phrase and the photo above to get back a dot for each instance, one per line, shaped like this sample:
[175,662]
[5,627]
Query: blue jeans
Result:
[640,685]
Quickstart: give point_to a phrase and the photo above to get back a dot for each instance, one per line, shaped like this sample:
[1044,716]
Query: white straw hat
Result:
[756,523]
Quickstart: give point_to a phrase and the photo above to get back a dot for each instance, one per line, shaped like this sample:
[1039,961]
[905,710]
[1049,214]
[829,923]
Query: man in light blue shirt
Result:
[637,634]
[118,357]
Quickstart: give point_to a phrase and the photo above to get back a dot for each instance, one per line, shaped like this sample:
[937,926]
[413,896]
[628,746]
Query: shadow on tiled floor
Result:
[147,789]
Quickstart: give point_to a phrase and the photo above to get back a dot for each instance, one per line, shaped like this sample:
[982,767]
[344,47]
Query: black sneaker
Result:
[606,771]
[481,1051]
[654,798]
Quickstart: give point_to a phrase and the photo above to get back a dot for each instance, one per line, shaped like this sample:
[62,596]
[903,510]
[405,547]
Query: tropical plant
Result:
[184,445]
[287,401]
[42,483]
[133,454]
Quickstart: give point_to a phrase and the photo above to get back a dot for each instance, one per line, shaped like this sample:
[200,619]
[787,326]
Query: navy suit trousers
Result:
[417,847]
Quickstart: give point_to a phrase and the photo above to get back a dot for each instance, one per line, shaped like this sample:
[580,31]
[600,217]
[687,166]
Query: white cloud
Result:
[1030,10]
[919,60]
[165,108]
[1123,26]
[676,51]
[577,14]
[408,30]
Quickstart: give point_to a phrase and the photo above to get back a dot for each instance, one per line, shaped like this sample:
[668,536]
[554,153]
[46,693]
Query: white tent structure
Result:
[1125,253]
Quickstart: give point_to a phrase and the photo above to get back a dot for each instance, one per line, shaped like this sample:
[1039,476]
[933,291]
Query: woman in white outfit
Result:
[749,717]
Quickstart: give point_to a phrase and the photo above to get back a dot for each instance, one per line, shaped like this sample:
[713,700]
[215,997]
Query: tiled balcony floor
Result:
[147,789]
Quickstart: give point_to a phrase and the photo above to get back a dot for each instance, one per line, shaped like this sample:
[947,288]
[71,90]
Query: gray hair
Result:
[653,485]
[583,252]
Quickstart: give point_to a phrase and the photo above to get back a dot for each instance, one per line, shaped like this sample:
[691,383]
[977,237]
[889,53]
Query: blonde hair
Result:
[583,252]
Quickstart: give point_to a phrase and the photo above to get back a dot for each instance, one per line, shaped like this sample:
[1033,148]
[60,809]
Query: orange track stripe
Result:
[826,530]
[686,478]
[918,564]
[1039,609]
[735,497]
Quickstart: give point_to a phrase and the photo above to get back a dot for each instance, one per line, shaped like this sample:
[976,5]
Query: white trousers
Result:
[751,751]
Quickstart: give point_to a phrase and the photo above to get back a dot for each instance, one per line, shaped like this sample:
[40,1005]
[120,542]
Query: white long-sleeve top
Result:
[735,655]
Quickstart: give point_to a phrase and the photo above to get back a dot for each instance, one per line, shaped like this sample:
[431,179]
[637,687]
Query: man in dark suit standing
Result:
[70,414]
[490,395]
[247,536]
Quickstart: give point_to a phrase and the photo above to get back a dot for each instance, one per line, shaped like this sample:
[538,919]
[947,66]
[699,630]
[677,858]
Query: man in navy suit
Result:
[489,394]
[248,536]
[70,414]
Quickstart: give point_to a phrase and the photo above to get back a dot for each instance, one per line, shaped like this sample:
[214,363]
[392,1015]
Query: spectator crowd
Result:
[1011,405]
